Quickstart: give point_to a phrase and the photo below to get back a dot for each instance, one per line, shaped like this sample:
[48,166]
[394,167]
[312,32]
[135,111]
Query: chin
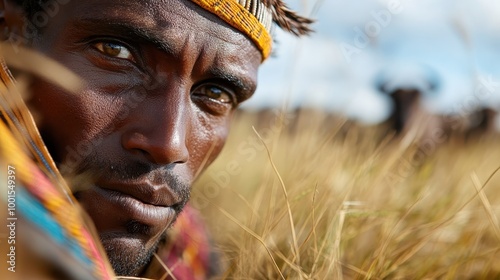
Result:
[127,255]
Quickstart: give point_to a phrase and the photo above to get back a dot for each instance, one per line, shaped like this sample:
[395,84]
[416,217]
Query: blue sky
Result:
[455,43]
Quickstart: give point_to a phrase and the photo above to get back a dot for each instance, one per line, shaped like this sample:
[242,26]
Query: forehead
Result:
[156,15]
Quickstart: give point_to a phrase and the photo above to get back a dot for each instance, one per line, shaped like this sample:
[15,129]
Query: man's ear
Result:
[12,19]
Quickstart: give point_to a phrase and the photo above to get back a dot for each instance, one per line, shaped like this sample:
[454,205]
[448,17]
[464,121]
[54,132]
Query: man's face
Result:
[162,80]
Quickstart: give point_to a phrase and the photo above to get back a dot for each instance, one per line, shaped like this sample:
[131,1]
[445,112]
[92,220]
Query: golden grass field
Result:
[333,200]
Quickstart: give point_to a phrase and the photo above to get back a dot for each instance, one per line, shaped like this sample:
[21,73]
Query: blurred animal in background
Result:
[407,88]
[411,121]
[483,122]
[406,102]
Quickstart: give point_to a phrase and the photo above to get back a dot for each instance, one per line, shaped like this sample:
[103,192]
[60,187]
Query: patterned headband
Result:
[251,17]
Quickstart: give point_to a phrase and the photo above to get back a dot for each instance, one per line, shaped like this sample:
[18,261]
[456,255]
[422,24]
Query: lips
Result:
[137,210]
[133,208]
[161,196]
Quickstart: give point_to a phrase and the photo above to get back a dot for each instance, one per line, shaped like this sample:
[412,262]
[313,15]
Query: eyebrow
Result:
[125,29]
[245,86]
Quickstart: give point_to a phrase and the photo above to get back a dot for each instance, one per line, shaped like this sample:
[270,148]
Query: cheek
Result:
[66,120]
[211,135]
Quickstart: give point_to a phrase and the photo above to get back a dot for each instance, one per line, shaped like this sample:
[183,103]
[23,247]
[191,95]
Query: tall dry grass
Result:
[332,200]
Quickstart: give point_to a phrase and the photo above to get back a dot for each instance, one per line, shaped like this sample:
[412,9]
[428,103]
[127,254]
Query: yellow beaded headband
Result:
[251,17]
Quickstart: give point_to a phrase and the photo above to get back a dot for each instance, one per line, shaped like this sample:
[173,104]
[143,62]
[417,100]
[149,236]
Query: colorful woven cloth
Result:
[37,196]
[187,252]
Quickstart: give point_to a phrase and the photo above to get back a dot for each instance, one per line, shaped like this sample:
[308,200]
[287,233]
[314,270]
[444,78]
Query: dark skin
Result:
[162,80]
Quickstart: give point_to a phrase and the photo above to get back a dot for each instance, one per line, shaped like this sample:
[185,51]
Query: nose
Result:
[159,131]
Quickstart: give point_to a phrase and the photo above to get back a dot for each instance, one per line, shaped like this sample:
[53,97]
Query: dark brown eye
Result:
[114,50]
[215,93]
